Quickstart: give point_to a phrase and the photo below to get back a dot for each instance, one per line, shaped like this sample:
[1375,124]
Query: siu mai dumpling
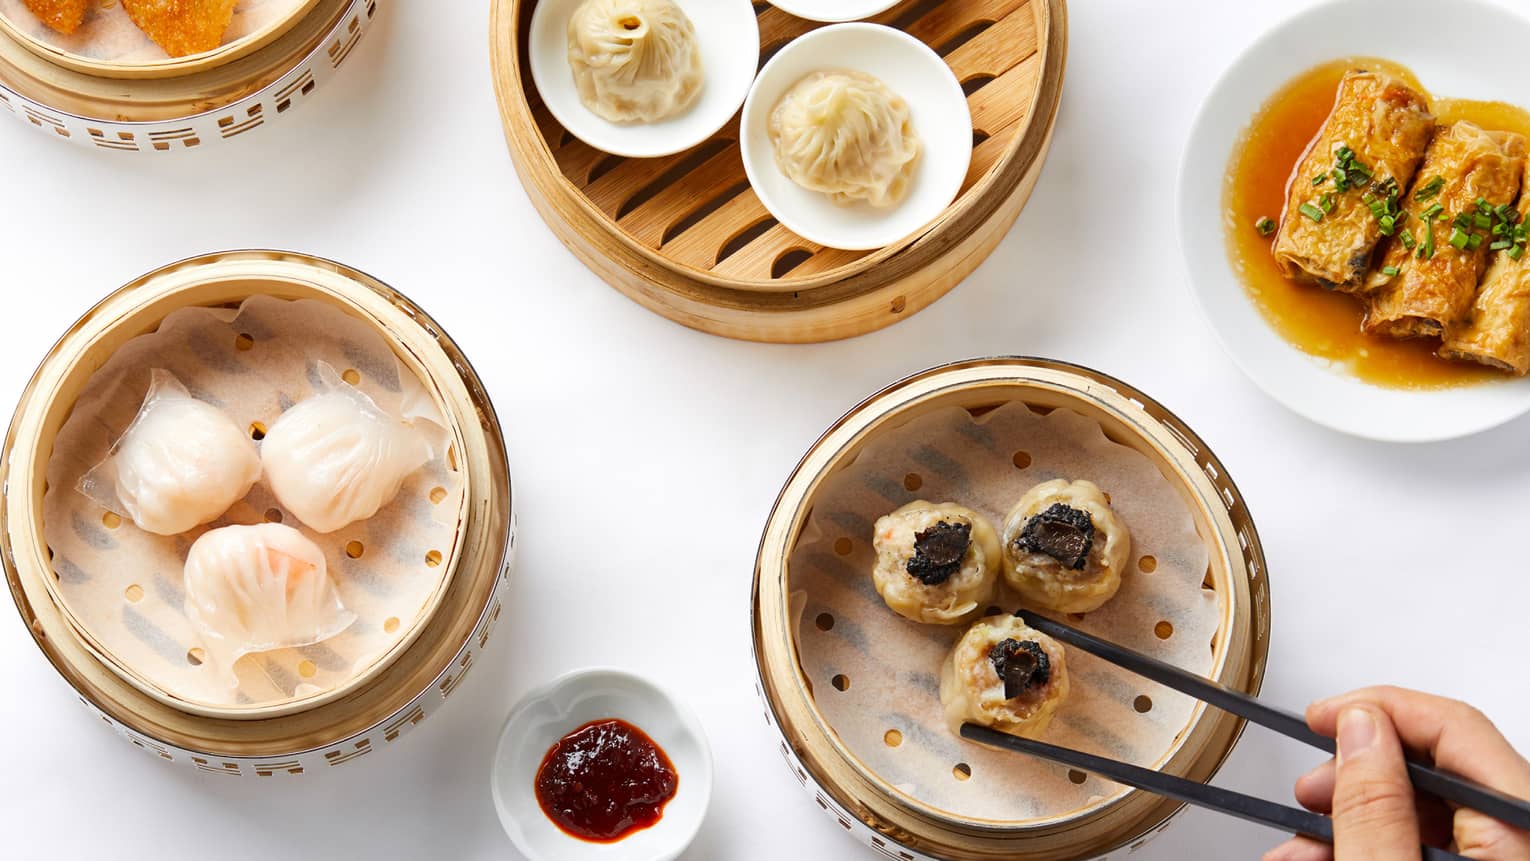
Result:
[1064,547]
[257,588]
[936,562]
[182,462]
[338,457]
[847,135]
[64,16]
[634,61]
[182,27]
[1005,675]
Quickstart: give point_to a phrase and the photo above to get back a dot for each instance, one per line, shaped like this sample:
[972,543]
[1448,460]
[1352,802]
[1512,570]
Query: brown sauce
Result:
[605,780]
[1321,323]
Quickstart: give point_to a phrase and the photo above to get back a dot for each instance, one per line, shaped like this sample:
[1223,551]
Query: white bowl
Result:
[834,11]
[940,117]
[729,35]
[549,713]
[1479,55]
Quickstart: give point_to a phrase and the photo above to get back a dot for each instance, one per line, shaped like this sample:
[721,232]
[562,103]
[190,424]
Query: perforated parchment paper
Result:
[109,35]
[873,671]
[124,585]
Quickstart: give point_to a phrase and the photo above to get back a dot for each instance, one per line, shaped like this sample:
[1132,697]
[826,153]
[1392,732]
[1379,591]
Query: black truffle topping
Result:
[938,552]
[1022,665]
[1061,532]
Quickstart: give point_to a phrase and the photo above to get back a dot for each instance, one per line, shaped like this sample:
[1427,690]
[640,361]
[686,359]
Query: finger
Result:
[1373,815]
[1458,737]
[1300,849]
[1314,790]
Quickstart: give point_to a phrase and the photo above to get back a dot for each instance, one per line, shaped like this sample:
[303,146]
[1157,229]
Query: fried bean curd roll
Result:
[1497,333]
[1375,135]
[1005,675]
[936,562]
[1064,548]
[1428,276]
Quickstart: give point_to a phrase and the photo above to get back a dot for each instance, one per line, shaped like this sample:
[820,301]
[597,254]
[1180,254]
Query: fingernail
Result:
[1357,732]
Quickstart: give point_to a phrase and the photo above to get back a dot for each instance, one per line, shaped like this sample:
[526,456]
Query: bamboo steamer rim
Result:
[478,553]
[1236,565]
[128,102]
[167,68]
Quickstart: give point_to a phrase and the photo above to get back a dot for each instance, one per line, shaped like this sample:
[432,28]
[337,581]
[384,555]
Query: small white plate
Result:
[834,11]
[1476,51]
[549,713]
[940,117]
[729,35]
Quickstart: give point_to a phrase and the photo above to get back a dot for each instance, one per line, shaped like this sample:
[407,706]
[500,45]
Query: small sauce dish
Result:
[940,117]
[548,714]
[729,35]
[834,11]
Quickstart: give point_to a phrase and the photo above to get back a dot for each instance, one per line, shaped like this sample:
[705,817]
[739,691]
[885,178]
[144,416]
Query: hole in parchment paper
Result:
[825,622]
[1147,564]
[390,624]
[1142,704]
[111,520]
[962,771]
[1022,460]
[354,549]
[840,682]
[912,482]
[843,546]
[133,593]
[1076,776]
[273,515]
[257,431]
[437,495]
[433,558]
[1164,629]
[352,376]
[893,738]
[243,342]
[196,656]
[307,669]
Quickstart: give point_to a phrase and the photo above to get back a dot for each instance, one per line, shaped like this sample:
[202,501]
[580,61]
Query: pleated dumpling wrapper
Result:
[1006,675]
[256,588]
[181,463]
[182,27]
[64,16]
[634,61]
[338,457]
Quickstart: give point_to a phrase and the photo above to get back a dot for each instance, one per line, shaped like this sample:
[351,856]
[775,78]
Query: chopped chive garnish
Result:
[1311,211]
[1426,251]
[1500,244]
[1481,222]
[1459,238]
[1474,241]
[1320,179]
[1429,189]
[1432,211]
[1407,240]
[1516,252]
[1483,205]
[1390,271]
[1388,225]
[1265,226]
[1326,202]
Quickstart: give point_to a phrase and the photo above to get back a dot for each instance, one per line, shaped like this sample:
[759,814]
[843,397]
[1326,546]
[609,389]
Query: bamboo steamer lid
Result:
[374,712]
[894,823]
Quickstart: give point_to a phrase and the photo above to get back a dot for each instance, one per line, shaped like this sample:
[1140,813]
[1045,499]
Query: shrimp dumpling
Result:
[258,588]
[182,462]
[936,562]
[338,457]
[847,135]
[1006,675]
[634,61]
[1064,547]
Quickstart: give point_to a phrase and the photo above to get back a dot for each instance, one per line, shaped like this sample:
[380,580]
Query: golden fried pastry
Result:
[62,15]
[182,27]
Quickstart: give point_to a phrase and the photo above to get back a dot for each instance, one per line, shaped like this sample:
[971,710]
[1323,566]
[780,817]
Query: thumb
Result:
[1373,813]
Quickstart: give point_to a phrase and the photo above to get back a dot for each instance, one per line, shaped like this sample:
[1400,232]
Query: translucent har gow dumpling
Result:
[182,462]
[257,588]
[634,60]
[337,457]
[847,135]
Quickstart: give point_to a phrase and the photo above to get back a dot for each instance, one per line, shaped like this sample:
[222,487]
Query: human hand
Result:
[1366,787]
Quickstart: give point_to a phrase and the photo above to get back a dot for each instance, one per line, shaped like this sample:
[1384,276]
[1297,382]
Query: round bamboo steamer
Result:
[895,824]
[216,103]
[373,712]
[686,237]
[166,68]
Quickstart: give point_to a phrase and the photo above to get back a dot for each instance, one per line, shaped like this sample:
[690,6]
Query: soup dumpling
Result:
[936,562]
[847,135]
[1064,547]
[1005,675]
[634,61]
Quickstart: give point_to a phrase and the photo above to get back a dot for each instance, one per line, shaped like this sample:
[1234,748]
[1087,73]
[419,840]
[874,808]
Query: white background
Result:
[1388,563]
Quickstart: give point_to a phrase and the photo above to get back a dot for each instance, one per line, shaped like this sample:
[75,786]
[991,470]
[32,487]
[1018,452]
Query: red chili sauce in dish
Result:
[605,780]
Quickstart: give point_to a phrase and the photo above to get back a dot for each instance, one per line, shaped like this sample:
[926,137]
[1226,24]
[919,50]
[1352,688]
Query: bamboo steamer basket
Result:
[370,713]
[687,238]
[190,103]
[896,825]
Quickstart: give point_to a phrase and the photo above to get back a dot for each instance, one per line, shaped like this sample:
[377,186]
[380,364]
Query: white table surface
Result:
[398,167]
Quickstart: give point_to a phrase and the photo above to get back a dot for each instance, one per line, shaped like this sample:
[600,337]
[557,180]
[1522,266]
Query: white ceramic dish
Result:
[940,117]
[834,11]
[729,35]
[551,712]
[1479,55]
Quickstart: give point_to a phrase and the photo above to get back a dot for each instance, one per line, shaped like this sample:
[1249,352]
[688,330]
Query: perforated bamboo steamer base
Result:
[659,231]
[189,110]
[166,68]
[863,804]
[374,713]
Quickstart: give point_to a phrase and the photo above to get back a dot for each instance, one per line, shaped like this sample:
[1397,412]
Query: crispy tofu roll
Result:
[1064,548]
[1498,331]
[1424,290]
[64,16]
[1377,131]
[936,562]
[1006,675]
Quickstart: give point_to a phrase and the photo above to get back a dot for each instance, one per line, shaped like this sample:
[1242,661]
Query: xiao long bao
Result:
[634,61]
[846,135]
